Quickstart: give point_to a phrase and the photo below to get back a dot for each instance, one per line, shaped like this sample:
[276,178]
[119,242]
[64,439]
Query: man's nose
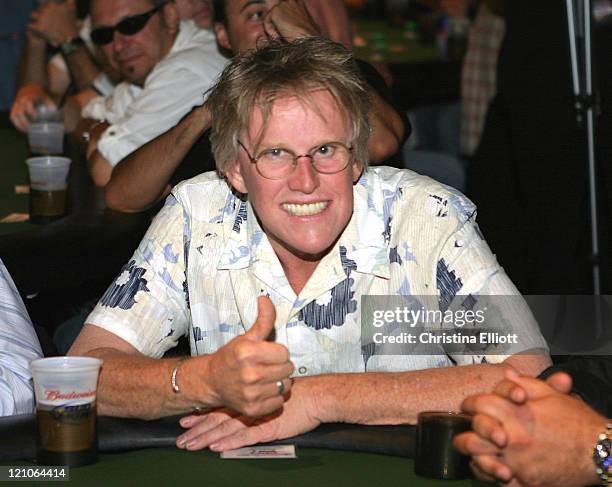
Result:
[304,177]
[119,41]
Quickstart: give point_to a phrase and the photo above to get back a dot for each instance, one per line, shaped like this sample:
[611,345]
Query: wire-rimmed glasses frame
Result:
[286,167]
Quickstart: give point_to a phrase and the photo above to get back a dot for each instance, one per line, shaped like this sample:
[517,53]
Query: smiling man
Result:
[264,270]
[168,66]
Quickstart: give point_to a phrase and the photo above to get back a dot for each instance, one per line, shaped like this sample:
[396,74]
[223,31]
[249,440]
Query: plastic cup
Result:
[65,390]
[46,113]
[48,187]
[46,138]
[436,457]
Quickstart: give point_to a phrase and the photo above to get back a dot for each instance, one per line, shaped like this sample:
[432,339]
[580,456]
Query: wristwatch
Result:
[70,46]
[602,456]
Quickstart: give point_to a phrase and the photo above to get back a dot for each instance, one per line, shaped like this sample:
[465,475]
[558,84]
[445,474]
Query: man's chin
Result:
[134,76]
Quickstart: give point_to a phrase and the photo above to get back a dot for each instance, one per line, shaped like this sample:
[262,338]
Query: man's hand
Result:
[94,132]
[243,374]
[55,22]
[289,20]
[225,430]
[23,111]
[529,428]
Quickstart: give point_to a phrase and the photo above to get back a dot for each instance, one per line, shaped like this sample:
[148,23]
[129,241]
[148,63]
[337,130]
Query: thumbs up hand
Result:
[246,374]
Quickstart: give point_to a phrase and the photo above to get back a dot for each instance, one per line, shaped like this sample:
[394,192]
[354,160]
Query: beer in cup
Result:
[436,457]
[65,389]
[48,187]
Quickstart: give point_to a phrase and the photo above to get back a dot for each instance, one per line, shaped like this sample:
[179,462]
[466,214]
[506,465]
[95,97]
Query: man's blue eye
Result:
[325,150]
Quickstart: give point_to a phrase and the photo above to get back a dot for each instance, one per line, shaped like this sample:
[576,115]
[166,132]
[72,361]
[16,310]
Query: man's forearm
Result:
[396,398]
[32,65]
[387,129]
[82,67]
[140,387]
[141,179]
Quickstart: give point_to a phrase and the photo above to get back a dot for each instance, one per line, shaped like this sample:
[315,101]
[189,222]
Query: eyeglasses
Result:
[278,163]
[128,27]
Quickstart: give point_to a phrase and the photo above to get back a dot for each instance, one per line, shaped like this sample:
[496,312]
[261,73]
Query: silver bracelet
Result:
[173,382]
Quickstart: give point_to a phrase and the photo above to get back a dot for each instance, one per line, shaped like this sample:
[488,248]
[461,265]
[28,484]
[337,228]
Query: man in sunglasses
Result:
[167,64]
[144,177]
[267,271]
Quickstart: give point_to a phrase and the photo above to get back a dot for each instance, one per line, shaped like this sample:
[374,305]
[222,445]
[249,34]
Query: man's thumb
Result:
[266,315]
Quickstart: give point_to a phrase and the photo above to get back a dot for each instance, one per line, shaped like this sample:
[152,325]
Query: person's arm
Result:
[332,18]
[395,398]
[18,346]
[241,375]
[58,25]
[32,82]
[99,168]
[387,129]
[363,398]
[142,178]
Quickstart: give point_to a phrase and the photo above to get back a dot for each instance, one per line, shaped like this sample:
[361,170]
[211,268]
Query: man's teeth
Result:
[305,210]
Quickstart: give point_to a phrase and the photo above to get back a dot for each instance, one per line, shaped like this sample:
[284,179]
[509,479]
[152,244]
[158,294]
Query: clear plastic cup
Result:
[46,138]
[65,390]
[48,187]
[45,113]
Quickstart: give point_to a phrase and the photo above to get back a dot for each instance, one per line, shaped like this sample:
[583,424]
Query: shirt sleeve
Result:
[166,97]
[469,278]
[18,347]
[147,305]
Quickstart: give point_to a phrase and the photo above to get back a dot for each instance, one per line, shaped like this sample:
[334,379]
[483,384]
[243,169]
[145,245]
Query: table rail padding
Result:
[18,436]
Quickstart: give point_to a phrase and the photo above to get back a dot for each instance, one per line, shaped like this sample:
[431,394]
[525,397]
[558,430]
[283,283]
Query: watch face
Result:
[602,455]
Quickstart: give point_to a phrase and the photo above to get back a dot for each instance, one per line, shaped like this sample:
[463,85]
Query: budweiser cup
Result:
[65,389]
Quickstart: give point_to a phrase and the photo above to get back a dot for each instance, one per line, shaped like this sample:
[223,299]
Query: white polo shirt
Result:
[174,86]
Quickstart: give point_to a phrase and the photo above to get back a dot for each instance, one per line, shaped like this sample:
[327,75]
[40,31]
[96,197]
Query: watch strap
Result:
[70,46]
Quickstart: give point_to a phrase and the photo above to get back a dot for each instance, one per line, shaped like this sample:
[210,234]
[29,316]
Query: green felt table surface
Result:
[389,44]
[13,153]
[313,467]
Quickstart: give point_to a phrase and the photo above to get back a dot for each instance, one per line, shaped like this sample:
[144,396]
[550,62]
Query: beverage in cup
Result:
[65,389]
[436,457]
[48,187]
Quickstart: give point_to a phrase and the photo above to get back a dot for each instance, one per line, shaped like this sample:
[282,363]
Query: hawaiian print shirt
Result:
[205,259]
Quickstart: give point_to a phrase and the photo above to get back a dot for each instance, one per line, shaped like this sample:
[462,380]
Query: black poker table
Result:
[136,452]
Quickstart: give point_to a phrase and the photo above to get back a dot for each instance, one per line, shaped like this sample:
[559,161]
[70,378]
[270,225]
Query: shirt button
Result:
[302,370]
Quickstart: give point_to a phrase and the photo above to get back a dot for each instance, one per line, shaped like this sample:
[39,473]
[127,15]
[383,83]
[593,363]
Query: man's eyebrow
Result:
[252,2]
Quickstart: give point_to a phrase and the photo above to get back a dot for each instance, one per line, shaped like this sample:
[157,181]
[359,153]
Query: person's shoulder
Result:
[417,195]
[206,181]
[204,195]
[195,49]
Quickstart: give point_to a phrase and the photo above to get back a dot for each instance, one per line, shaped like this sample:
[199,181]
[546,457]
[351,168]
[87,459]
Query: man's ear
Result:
[234,176]
[222,37]
[357,169]
[171,17]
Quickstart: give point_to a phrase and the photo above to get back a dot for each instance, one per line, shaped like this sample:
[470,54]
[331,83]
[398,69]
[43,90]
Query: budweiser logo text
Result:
[55,395]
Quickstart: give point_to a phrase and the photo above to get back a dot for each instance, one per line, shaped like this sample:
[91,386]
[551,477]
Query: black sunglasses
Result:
[128,27]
